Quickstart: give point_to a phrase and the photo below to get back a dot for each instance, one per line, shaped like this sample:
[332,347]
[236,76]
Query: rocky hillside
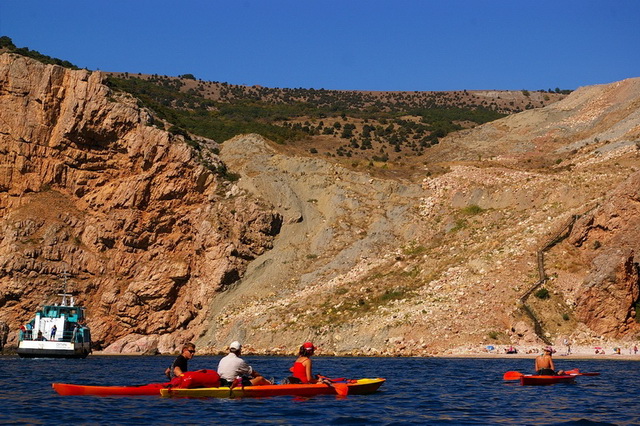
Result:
[165,244]
[142,221]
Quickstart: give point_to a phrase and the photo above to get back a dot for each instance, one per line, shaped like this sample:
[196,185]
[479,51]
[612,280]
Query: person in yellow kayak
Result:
[232,368]
[303,366]
[544,363]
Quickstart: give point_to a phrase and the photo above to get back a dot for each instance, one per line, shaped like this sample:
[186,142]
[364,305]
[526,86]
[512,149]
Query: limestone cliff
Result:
[137,217]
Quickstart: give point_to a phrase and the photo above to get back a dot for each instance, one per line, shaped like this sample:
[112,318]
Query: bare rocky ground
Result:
[436,266]
[379,266]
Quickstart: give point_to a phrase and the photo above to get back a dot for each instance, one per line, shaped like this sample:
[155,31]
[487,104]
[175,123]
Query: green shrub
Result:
[460,224]
[472,210]
[542,294]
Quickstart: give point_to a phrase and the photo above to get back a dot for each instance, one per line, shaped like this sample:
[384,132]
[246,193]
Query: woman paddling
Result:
[303,366]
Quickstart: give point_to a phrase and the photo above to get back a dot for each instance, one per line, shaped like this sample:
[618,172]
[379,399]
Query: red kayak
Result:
[568,376]
[68,389]
[533,379]
[190,379]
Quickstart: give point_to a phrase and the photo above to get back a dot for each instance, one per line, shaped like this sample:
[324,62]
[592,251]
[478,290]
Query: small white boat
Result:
[57,331]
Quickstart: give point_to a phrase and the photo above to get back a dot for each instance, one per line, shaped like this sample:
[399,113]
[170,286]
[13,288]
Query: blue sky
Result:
[342,44]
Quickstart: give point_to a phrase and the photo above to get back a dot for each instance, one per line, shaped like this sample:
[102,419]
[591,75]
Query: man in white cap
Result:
[232,367]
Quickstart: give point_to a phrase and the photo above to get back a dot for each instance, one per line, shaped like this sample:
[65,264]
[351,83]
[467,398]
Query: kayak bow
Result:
[67,389]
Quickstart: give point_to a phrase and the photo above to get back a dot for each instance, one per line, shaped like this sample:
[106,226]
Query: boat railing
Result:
[67,336]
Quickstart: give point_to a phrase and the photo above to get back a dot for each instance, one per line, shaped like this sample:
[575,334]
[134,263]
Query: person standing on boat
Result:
[180,364]
[54,329]
[232,367]
[544,363]
[303,366]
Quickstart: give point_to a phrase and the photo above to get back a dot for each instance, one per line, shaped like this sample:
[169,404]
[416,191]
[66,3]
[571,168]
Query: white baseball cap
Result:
[235,345]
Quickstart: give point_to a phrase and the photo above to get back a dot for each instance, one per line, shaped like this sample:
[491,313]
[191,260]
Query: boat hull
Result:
[52,349]
[538,380]
[357,387]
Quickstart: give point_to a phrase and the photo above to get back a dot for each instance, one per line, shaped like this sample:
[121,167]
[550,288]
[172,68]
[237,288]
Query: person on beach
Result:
[180,364]
[303,366]
[232,367]
[544,363]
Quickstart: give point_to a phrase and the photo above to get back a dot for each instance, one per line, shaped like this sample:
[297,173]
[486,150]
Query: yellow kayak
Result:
[348,387]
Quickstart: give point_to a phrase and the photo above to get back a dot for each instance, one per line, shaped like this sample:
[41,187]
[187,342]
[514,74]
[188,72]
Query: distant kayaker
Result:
[544,363]
[180,364]
[232,367]
[303,366]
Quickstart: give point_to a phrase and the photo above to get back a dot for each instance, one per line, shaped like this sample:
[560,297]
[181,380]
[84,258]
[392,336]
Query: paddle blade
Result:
[341,389]
[589,374]
[512,375]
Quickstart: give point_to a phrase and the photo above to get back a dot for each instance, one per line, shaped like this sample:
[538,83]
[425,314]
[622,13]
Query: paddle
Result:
[342,389]
[512,375]
[576,372]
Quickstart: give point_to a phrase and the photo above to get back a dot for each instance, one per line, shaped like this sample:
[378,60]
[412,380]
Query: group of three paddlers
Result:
[233,370]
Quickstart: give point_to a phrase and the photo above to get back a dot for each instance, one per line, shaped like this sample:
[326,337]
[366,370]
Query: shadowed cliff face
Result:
[162,250]
[146,231]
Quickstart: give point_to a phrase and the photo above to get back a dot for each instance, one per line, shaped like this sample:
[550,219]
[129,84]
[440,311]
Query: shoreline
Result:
[556,357]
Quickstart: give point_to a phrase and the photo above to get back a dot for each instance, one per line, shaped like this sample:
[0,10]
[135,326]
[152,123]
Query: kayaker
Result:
[232,367]
[303,366]
[544,363]
[180,364]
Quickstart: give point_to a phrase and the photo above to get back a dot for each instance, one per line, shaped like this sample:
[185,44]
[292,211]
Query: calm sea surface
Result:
[418,391]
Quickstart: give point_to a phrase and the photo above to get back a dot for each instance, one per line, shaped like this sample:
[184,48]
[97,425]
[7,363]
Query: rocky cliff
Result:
[138,218]
[431,259]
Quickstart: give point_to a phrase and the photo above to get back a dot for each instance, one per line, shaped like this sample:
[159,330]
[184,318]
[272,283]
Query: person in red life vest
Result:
[303,366]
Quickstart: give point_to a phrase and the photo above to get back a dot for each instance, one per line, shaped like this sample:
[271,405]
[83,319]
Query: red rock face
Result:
[610,237]
[88,186]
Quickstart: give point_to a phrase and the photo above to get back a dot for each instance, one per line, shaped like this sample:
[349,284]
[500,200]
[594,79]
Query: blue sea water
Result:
[417,391]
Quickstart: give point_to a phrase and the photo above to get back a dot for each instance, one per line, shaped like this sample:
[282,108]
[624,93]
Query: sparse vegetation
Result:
[542,294]
[472,210]
[7,44]
[460,224]
[414,250]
